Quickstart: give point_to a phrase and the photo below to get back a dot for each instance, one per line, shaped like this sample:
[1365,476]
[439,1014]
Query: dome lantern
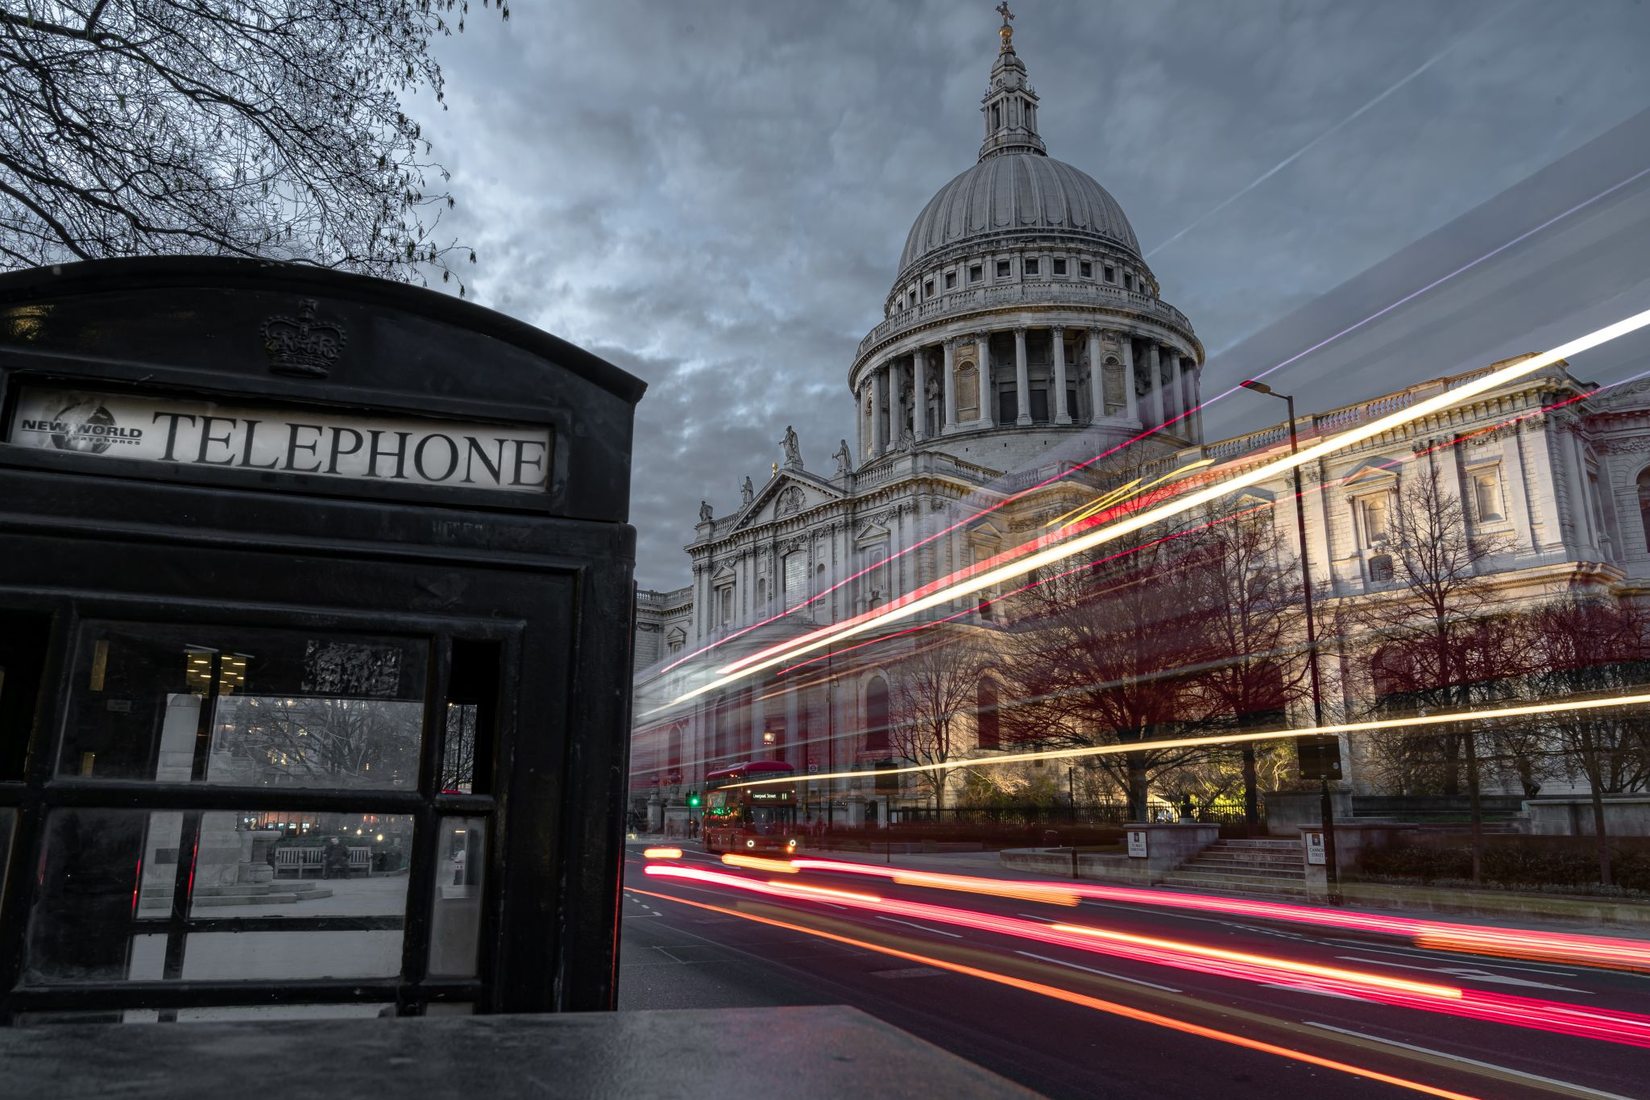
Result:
[1009,106]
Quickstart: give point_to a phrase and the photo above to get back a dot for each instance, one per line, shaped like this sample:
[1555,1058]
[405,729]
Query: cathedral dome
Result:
[1017,194]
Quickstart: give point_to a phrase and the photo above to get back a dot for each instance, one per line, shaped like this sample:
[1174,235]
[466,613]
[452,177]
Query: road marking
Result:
[1102,973]
[924,927]
[909,972]
[1315,992]
[1575,1089]
[1468,972]
[1462,955]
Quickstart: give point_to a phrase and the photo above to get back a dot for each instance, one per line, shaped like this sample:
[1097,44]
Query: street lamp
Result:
[1311,631]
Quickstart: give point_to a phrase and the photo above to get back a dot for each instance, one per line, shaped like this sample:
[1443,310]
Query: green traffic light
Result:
[693,799]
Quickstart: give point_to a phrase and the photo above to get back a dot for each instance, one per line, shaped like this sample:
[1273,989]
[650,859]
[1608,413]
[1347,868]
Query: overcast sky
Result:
[713,194]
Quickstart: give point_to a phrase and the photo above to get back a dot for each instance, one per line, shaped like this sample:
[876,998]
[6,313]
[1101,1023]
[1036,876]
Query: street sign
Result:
[1314,848]
[1137,844]
[1320,757]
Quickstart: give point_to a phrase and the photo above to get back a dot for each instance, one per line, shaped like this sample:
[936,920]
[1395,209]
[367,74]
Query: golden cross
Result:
[1002,10]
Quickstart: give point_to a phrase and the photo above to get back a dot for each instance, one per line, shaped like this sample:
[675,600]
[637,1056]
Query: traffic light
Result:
[693,800]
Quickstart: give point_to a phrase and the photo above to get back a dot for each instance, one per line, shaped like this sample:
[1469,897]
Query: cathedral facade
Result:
[1023,335]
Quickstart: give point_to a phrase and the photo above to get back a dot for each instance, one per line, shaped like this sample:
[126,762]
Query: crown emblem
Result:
[302,345]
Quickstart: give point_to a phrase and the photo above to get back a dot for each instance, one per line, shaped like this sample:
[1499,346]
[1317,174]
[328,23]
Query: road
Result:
[1135,1000]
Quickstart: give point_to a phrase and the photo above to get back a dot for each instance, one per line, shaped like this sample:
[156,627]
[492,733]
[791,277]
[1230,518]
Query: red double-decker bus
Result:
[750,819]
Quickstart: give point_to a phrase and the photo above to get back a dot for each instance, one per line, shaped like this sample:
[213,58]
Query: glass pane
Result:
[125,894]
[248,707]
[7,819]
[455,917]
[220,1013]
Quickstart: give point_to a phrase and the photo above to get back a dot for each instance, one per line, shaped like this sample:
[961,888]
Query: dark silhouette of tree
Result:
[263,128]
[1581,646]
[1110,654]
[1253,623]
[1437,648]
[935,691]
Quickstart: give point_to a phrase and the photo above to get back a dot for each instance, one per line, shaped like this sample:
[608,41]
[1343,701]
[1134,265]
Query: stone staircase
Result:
[1272,867]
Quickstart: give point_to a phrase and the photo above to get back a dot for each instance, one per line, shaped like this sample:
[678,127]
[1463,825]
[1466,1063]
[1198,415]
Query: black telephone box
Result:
[315,603]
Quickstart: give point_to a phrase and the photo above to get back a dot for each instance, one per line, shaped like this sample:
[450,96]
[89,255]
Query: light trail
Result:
[1605,952]
[1621,1028]
[661,853]
[1082,1000]
[948,589]
[1484,715]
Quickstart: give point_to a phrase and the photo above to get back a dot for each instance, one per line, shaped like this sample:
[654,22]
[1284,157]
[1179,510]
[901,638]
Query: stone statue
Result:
[793,450]
[747,493]
[704,511]
[844,460]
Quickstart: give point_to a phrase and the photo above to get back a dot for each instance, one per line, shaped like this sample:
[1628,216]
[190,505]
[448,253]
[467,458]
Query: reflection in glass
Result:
[275,708]
[7,817]
[455,917]
[150,896]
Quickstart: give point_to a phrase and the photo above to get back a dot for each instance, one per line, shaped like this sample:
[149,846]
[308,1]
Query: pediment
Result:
[1252,497]
[871,532]
[723,575]
[1374,471]
[785,495]
[1629,398]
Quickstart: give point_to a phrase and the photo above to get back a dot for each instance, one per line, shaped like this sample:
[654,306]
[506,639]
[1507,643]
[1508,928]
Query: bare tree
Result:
[936,689]
[1437,650]
[1109,654]
[1595,647]
[265,128]
[1253,624]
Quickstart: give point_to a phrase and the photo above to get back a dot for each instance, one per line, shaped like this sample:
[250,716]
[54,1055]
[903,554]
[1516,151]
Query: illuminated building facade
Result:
[1023,334]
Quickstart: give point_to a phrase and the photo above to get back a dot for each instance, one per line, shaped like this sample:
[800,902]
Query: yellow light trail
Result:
[1082,1000]
[1567,707]
[916,604]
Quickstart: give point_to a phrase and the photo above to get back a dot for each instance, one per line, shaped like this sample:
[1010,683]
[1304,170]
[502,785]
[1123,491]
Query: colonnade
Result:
[1154,383]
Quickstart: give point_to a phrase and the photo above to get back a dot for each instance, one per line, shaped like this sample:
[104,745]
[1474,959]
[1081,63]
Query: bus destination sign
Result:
[190,432]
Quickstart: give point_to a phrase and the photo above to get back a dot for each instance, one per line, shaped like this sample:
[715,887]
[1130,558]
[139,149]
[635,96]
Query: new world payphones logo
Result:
[84,426]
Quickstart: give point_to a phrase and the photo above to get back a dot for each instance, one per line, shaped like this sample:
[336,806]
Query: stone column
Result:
[1061,414]
[1177,391]
[1155,374]
[1022,379]
[891,380]
[1194,384]
[919,394]
[1131,399]
[873,378]
[982,349]
[1097,378]
[950,351]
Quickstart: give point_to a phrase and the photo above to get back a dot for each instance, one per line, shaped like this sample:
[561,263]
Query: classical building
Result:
[1023,335]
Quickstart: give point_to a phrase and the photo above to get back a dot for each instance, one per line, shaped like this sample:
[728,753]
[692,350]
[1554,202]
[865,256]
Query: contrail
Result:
[1342,124]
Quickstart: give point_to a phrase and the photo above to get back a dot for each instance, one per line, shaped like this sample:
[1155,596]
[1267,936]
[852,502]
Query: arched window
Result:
[876,716]
[1380,568]
[986,722]
[1644,504]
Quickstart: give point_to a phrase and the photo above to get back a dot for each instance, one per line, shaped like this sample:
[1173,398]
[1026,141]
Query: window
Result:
[986,722]
[928,288]
[724,598]
[976,272]
[1059,267]
[796,577]
[1111,274]
[950,280]
[1486,495]
[1031,266]
[1374,518]
[1380,568]
[1002,269]
[876,716]
[1128,280]
[1085,269]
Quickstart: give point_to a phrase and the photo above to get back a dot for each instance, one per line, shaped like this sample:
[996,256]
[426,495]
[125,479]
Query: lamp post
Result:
[1311,637]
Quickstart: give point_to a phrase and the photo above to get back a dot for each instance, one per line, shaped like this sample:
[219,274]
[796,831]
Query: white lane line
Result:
[1315,992]
[1468,972]
[1102,973]
[1575,1089]
[924,927]
[1461,955]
